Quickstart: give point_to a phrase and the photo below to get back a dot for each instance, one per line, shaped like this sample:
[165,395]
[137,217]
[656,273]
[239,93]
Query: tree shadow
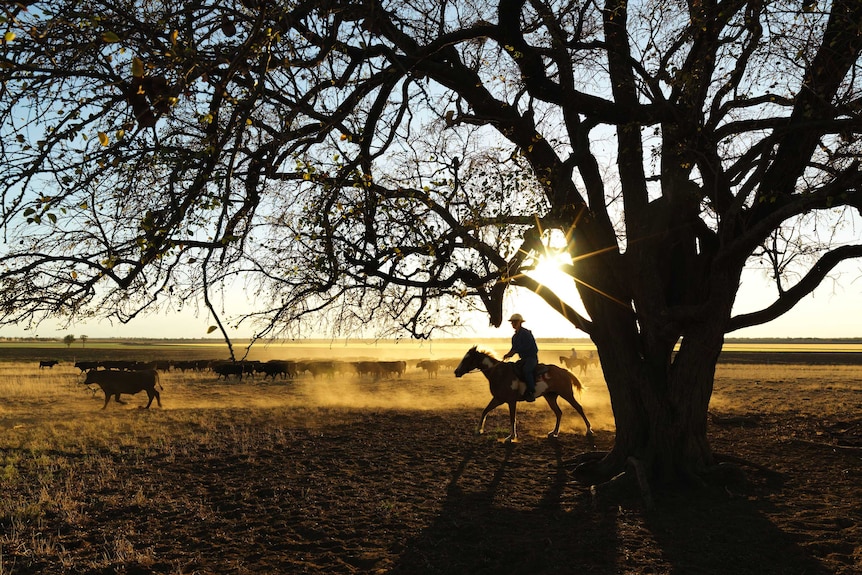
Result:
[481,529]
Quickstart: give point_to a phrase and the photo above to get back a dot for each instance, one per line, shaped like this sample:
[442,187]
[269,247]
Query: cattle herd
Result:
[116,377]
[285,369]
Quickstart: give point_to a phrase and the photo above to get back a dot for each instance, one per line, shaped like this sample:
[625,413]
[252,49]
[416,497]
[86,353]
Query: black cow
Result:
[48,363]
[114,382]
[276,367]
[86,365]
[226,368]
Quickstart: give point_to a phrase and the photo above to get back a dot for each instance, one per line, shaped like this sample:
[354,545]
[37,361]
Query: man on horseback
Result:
[524,344]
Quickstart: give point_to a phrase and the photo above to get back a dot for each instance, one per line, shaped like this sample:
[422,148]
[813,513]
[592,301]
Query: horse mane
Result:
[487,352]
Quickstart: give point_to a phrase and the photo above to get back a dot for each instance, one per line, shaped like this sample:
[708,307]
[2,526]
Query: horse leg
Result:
[552,403]
[493,404]
[574,403]
[513,436]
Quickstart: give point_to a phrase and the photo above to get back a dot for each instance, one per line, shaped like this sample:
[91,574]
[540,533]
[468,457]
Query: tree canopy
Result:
[398,161]
[385,155]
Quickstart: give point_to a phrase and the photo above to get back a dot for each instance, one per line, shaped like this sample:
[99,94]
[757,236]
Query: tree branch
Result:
[804,287]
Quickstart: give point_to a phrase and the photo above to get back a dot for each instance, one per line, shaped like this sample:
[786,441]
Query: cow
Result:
[276,367]
[48,363]
[396,368]
[226,368]
[114,382]
[362,368]
[86,365]
[430,366]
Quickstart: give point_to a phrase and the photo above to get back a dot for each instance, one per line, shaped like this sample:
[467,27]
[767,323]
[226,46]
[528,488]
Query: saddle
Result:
[541,369]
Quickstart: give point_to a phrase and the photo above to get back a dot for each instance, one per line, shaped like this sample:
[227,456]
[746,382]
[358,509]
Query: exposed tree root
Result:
[848,448]
[587,457]
[740,420]
[633,480]
[730,466]
[643,481]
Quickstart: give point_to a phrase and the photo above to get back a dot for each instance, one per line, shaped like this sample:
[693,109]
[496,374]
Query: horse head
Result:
[473,359]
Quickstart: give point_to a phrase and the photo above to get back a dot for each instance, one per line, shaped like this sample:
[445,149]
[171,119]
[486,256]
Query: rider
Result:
[524,344]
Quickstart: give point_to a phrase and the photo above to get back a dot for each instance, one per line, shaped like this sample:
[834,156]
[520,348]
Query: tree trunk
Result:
[660,406]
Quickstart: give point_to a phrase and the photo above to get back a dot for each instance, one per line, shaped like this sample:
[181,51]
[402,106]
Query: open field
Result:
[346,475]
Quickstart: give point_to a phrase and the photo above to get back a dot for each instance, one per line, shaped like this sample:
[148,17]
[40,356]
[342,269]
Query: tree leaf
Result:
[137,67]
[110,37]
[103,138]
[212,328]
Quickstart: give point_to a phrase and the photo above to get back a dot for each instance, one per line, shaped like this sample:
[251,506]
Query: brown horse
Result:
[506,387]
[575,362]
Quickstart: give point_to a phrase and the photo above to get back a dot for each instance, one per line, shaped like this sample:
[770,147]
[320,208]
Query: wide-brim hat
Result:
[516,317]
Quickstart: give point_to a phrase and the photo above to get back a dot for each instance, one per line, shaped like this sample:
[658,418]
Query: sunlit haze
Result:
[832,311]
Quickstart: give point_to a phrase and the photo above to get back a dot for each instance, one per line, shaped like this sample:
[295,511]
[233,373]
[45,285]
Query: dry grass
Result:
[359,476]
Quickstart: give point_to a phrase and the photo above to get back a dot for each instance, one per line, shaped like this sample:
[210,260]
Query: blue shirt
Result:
[524,344]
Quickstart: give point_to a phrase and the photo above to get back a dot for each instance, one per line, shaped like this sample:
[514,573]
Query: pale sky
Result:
[833,311]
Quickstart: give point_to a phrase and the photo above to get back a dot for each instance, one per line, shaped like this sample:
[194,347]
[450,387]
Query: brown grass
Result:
[361,476]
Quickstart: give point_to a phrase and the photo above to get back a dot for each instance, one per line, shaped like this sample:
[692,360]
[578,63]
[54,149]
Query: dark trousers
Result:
[529,364]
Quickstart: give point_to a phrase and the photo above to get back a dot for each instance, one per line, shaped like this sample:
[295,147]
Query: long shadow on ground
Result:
[486,528]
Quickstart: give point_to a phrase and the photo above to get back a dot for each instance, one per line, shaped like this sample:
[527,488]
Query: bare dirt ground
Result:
[326,476]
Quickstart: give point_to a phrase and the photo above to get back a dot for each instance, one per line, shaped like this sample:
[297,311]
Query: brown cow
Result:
[114,382]
[429,365]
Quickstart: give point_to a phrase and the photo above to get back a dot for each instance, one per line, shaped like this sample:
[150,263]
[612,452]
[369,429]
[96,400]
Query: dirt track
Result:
[296,488]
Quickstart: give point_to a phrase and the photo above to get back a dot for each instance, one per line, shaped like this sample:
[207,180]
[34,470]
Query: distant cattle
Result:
[193,365]
[161,365]
[392,367]
[363,368]
[86,365]
[115,382]
[48,363]
[430,366]
[226,368]
[275,367]
[320,367]
[128,365]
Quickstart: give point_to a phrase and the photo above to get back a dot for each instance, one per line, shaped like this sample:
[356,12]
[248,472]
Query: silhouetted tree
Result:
[399,162]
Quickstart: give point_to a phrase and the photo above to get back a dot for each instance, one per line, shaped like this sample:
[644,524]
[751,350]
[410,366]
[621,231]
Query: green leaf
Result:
[212,328]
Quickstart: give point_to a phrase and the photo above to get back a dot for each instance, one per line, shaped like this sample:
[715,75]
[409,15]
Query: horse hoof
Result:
[553,434]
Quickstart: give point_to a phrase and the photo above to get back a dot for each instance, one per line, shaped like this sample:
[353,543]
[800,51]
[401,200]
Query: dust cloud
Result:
[413,389]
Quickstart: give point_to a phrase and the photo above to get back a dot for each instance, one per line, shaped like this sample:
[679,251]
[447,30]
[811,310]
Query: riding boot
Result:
[530,395]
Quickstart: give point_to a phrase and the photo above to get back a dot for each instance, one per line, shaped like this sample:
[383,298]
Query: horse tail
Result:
[574,380]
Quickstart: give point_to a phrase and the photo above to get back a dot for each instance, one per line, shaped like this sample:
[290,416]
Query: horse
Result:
[573,362]
[507,387]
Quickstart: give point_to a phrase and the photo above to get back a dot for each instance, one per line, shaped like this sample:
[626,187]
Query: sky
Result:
[832,311]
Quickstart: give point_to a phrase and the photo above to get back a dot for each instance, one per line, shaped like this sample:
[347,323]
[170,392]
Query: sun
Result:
[548,271]
[550,265]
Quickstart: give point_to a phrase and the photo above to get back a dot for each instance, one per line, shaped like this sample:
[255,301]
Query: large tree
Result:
[398,160]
